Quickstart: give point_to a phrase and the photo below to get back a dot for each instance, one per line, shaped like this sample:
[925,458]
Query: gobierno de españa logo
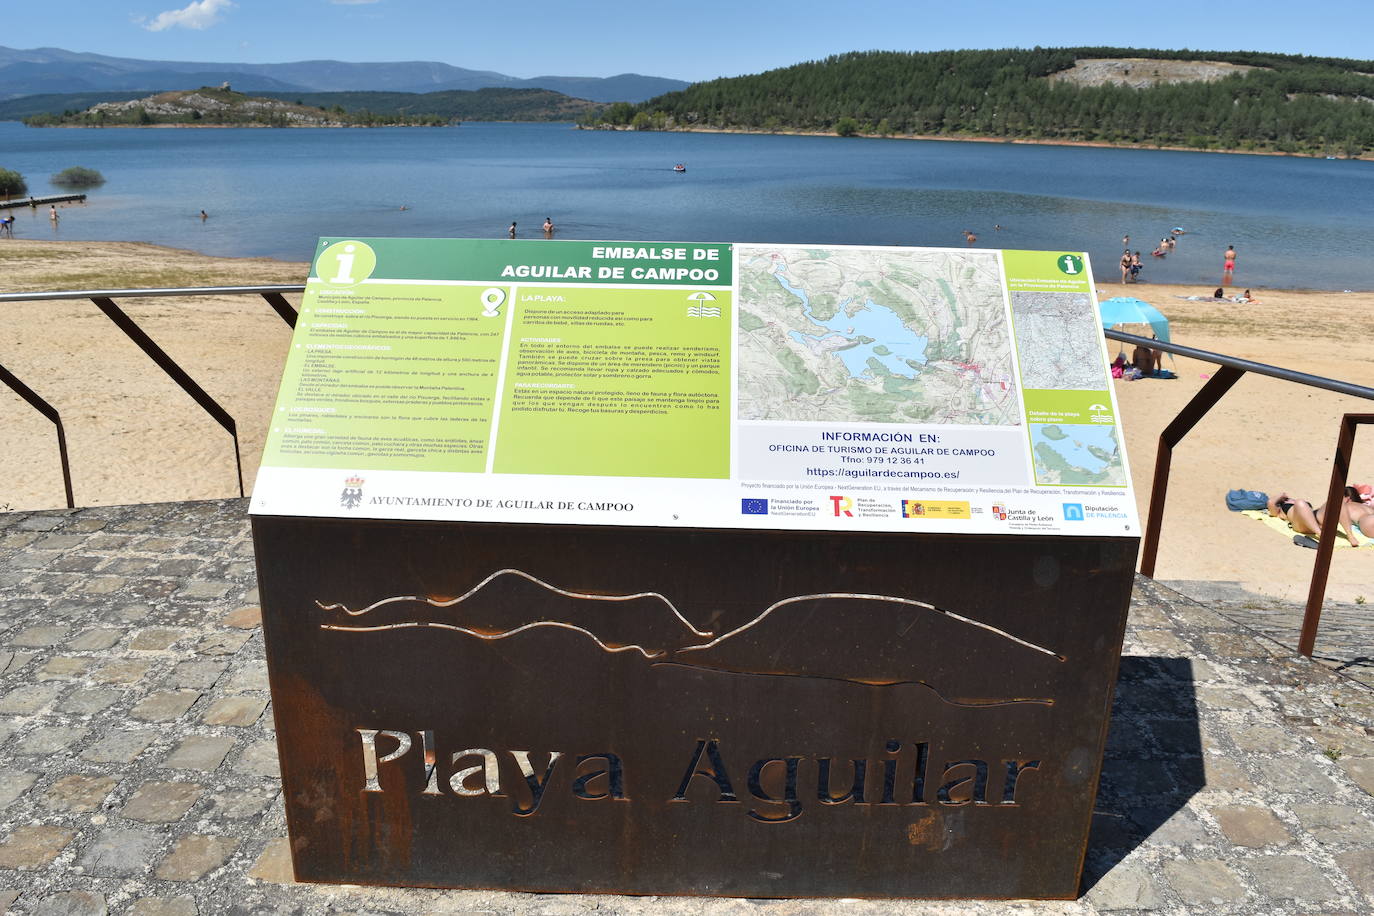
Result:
[346,263]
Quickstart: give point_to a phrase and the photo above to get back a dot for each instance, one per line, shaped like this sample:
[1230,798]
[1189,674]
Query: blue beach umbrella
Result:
[1127,310]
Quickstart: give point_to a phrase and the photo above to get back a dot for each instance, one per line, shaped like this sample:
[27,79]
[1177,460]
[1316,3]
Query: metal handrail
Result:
[1245,365]
[145,293]
[1232,369]
[103,299]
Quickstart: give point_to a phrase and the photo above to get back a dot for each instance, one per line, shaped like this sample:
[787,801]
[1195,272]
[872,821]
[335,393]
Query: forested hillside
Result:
[454,104]
[1286,104]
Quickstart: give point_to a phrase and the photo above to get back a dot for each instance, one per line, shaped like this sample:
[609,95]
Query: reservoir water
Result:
[1295,222]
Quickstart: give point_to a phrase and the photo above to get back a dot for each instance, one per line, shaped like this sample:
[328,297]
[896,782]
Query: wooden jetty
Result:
[42,201]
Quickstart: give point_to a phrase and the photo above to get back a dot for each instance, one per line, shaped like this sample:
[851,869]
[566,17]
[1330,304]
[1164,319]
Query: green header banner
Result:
[1047,272]
[347,262]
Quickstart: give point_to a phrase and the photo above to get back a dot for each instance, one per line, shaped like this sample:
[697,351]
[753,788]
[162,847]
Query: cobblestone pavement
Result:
[138,765]
[1345,638]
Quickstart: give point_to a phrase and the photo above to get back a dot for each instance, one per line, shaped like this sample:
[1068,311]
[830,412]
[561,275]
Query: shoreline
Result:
[1014,141]
[254,126]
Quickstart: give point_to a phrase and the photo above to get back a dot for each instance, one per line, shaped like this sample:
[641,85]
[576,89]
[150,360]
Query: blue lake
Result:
[1294,222]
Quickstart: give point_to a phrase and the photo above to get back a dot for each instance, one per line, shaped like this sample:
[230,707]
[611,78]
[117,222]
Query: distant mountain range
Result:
[54,70]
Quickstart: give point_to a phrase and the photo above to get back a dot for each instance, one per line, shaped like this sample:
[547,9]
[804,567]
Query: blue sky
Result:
[696,40]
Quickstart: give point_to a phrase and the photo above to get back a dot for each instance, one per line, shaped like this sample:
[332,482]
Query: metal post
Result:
[283,308]
[1180,426]
[47,410]
[175,372]
[1335,494]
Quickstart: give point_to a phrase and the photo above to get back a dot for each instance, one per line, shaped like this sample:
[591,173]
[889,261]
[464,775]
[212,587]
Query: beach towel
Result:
[1283,528]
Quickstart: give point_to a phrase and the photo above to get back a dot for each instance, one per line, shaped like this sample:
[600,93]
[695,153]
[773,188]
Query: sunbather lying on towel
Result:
[1303,519]
[1357,510]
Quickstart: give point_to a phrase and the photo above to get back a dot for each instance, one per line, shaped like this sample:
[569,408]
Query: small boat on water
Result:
[679,167]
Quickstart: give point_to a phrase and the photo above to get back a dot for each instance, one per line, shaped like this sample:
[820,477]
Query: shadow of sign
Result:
[1153,763]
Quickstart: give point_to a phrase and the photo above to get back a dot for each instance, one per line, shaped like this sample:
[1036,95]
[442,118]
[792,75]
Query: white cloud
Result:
[199,14]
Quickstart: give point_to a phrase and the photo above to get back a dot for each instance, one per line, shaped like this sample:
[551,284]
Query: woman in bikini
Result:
[1356,511]
[1303,519]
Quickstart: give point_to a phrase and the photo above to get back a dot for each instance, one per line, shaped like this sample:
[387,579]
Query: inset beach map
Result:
[1077,455]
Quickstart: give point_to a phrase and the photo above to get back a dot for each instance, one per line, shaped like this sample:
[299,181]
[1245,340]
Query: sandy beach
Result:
[133,436]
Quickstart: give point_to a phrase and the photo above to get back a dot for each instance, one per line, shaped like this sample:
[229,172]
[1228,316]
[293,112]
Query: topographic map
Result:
[1058,341]
[873,335]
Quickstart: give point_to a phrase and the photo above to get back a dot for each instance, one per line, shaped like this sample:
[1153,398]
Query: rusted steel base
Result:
[657,711]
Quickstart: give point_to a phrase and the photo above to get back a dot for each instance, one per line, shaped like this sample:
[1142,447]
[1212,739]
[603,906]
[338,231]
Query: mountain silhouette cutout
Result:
[862,639]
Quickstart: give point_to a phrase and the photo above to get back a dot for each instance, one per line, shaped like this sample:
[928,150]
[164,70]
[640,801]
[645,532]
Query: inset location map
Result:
[1057,340]
[874,335]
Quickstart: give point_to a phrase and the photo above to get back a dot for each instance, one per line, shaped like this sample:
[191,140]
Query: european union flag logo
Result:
[753,506]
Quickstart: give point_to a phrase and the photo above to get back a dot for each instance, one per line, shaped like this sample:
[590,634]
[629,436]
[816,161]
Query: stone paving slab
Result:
[138,764]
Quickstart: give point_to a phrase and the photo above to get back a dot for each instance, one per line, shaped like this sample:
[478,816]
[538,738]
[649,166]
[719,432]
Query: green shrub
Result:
[846,127]
[12,183]
[78,177]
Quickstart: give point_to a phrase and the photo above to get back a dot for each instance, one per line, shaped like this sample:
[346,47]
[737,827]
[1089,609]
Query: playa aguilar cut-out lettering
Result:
[776,790]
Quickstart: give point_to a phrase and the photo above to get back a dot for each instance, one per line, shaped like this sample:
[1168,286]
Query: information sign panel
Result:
[592,566]
[699,386]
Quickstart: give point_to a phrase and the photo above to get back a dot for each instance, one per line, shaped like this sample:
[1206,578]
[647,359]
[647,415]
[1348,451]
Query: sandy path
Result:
[134,436]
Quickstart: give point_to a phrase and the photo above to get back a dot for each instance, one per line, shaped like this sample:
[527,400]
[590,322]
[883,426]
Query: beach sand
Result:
[134,436]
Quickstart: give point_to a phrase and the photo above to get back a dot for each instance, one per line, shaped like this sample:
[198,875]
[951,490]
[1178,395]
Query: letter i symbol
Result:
[1069,266]
[345,265]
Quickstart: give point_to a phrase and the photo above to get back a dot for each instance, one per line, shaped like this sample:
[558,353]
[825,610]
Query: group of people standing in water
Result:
[1131,265]
[548,228]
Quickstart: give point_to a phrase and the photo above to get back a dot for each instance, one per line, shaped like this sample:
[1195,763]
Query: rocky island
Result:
[223,107]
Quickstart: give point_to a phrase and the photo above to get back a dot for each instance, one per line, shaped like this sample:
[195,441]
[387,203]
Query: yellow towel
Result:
[1283,528]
